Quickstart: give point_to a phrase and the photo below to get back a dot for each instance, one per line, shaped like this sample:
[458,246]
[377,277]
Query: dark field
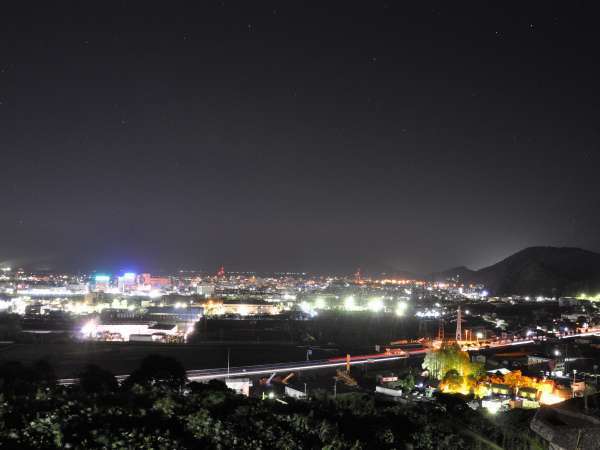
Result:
[348,330]
[121,358]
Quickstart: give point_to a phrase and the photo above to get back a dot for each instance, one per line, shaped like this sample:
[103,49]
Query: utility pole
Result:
[441,333]
[458,326]
[228,350]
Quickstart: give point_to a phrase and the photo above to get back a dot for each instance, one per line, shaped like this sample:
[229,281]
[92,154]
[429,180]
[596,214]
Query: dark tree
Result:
[158,370]
[43,373]
[212,385]
[96,380]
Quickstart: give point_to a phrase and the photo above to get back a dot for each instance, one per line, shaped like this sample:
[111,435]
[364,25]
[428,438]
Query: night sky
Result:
[309,136]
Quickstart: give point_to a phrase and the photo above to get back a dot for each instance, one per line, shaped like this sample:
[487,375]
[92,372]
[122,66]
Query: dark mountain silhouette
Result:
[548,271]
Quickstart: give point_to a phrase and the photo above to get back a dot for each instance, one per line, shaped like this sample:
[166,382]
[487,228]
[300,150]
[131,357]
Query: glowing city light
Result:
[375,304]
[320,303]
[305,307]
[349,303]
[88,329]
[548,398]
[492,407]
[154,293]
[401,308]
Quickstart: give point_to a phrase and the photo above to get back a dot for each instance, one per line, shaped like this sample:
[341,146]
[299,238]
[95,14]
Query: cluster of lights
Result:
[594,298]
[89,329]
[375,304]
[388,281]
[401,308]
[320,303]
[349,303]
[180,305]
[308,309]
[428,313]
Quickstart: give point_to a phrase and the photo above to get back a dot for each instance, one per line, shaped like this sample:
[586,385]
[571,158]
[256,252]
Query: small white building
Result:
[239,385]
[294,393]
[388,391]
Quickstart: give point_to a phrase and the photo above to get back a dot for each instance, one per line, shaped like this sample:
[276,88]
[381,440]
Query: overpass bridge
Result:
[264,369]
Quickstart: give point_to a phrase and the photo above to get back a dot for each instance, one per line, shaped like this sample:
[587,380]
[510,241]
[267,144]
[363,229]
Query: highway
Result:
[264,369]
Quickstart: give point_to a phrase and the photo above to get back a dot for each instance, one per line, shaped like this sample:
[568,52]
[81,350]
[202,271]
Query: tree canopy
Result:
[152,410]
[449,356]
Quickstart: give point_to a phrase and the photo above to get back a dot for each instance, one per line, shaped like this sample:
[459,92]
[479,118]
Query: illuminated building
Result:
[148,282]
[123,331]
[239,385]
[241,307]
[205,289]
[101,283]
[127,282]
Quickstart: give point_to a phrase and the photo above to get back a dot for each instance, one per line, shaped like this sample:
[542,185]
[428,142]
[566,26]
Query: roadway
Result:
[487,345]
[264,369]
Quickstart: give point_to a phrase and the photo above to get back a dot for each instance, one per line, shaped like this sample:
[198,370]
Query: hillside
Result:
[549,271]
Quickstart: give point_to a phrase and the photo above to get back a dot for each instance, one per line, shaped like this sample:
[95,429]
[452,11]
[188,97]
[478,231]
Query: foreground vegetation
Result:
[157,408]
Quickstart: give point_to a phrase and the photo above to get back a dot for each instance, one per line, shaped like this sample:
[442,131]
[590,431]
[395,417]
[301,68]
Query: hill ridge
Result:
[536,270]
